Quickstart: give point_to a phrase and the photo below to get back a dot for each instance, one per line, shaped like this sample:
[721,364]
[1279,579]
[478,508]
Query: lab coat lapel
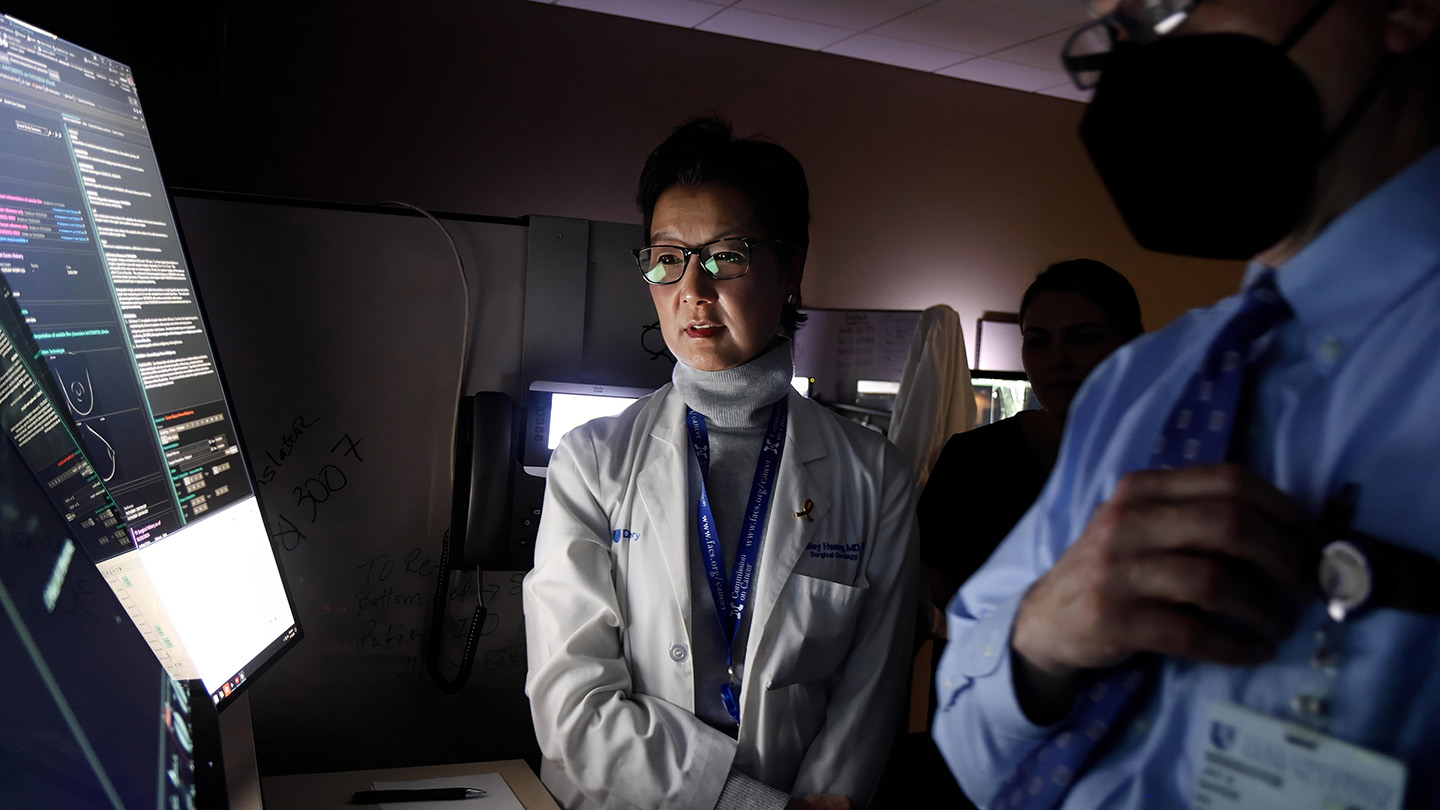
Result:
[787,535]
[664,470]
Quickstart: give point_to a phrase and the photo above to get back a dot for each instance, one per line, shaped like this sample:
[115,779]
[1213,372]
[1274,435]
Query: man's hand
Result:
[1205,562]
[816,801]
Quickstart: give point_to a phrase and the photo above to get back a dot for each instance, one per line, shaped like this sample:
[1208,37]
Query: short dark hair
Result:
[705,150]
[1098,282]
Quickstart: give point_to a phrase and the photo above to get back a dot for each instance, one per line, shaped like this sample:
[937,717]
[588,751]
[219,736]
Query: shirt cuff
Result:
[976,668]
[743,793]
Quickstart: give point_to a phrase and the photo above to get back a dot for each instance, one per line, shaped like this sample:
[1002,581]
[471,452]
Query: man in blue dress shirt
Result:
[1304,135]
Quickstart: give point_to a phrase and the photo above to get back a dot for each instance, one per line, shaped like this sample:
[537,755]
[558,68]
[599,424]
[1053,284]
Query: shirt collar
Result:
[1365,262]
[738,397]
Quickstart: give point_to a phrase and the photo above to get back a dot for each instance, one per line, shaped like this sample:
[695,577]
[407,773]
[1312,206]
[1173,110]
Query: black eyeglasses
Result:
[1137,21]
[722,259]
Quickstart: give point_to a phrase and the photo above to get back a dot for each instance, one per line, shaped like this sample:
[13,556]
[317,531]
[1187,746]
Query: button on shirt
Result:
[1346,392]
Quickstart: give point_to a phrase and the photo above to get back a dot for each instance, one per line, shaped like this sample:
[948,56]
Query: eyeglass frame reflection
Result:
[686,253]
[1112,24]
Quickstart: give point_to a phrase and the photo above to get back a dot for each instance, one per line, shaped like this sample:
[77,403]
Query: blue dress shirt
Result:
[1346,392]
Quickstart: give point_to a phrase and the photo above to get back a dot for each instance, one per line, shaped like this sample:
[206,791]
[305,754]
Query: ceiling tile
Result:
[1041,53]
[769,28]
[1068,90]
[686,13]
[1071,11]
[969,27]
[894,52]
[854,15]
[1004,74]
[1009,43]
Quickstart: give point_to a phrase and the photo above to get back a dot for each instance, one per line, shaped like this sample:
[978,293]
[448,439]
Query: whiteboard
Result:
[840,347]
[339,333]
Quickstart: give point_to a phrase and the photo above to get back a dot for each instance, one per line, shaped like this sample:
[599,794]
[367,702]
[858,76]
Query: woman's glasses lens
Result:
[728,259]
[662,265]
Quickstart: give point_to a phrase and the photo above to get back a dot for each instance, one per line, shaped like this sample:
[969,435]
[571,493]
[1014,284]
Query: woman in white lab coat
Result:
[644,694]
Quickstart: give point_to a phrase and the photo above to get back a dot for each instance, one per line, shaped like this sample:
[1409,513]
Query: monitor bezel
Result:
[534,447]
[296,634]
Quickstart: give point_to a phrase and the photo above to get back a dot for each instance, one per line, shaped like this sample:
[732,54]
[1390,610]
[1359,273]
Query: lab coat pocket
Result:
[816,623]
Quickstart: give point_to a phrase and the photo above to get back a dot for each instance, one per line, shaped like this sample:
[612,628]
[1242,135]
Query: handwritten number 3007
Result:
[328,481]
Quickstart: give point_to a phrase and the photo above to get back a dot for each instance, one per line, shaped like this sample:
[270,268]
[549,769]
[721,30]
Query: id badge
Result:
[1255,762]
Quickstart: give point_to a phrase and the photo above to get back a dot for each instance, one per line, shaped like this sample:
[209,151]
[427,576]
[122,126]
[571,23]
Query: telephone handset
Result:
[485,450]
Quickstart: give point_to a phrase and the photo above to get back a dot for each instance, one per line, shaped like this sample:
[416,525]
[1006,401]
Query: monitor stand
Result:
[237,744]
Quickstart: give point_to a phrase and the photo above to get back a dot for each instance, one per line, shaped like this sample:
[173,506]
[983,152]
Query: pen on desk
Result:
[422,795]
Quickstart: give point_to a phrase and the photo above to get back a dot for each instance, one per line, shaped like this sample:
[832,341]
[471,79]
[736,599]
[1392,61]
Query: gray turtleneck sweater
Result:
[736,404]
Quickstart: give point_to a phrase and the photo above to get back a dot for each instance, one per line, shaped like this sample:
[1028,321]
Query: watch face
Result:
[1345,578]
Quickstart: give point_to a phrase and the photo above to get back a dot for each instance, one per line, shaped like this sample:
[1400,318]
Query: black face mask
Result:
[1209,144]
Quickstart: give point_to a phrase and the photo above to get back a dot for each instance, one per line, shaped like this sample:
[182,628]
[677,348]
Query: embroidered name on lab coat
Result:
[624,534]
[835,551]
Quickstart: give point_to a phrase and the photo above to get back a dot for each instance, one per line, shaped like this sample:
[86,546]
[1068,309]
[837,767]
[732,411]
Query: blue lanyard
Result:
[730,607]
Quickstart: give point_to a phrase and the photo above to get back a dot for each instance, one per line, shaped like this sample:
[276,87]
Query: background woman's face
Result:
[1065,336]
[713,325]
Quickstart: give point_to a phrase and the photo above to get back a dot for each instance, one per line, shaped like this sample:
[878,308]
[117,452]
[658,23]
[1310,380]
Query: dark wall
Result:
[926,189]
[178,53]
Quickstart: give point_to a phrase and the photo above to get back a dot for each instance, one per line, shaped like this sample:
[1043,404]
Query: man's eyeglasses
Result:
[721,259]
[1137,21]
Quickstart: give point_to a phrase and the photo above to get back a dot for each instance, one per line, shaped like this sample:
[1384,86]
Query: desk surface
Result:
[318,791]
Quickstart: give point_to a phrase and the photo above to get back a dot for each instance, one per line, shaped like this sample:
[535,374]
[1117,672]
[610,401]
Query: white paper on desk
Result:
[498,795]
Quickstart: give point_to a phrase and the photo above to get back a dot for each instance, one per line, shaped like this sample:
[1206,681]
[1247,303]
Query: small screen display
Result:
[553,409]
[569,411]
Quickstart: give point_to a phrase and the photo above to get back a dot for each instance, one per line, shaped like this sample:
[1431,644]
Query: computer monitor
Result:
[91,718]
[109,323]
[553,408]
[1001,395]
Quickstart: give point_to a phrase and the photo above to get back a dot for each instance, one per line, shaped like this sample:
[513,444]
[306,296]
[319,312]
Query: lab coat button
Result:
[678,653]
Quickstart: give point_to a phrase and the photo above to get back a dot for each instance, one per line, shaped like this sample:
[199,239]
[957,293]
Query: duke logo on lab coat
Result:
[608,623]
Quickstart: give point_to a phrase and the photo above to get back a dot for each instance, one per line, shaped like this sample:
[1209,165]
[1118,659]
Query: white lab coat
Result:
[608,616]
[936,399]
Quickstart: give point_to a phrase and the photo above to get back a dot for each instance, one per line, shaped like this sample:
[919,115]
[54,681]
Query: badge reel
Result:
[1255,762]
[730,694]
[1346,583]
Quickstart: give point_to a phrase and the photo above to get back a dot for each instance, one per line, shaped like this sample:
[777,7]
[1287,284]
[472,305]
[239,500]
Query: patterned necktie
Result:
[1198,431]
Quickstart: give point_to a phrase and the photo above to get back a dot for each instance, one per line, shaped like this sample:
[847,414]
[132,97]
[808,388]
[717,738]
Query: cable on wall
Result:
[438,609]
